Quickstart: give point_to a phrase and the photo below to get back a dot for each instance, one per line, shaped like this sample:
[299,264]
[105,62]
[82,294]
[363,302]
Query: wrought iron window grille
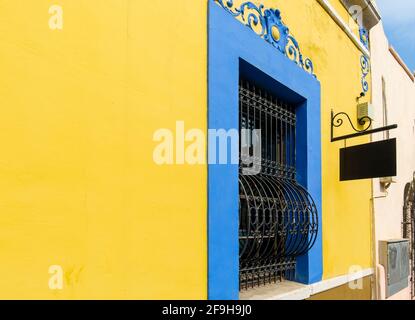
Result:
[278,217]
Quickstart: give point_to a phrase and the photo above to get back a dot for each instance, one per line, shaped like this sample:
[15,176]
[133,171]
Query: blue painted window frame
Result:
[233,50]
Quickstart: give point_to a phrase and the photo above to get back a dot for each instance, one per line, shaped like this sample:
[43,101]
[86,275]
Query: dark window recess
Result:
[278,219]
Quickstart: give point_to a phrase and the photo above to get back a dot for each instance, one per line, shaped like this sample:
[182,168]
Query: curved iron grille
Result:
[409,227]
[278,219]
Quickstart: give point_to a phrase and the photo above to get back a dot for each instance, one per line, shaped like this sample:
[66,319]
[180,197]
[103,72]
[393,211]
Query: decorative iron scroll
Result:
[365,65]
[267,23]
[364,61]
[337,122]
[364,37]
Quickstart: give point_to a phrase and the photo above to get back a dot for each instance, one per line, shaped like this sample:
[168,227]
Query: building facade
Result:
[94,204]
[393,101]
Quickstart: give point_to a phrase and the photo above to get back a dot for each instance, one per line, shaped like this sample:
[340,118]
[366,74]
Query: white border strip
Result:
[337,18]
[296,291]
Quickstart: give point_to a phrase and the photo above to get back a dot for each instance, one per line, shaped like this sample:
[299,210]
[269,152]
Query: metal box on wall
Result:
[365,112]
[394,256]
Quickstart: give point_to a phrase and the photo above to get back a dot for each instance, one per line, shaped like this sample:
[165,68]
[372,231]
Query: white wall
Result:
[400,97]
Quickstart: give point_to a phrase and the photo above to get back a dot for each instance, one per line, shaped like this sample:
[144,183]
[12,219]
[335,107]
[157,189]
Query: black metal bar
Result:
[360,134]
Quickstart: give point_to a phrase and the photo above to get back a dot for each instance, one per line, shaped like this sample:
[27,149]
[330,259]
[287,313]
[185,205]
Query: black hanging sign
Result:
[367,161]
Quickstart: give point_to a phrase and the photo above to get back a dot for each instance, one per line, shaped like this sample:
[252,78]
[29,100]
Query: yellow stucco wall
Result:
[78,186]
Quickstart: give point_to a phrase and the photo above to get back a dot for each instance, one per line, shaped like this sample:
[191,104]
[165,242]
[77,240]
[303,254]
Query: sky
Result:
[398,18]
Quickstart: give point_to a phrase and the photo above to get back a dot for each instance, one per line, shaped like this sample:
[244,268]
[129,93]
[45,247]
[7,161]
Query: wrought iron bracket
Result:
[337,122]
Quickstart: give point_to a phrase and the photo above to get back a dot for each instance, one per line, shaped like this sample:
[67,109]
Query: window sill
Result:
[288,290]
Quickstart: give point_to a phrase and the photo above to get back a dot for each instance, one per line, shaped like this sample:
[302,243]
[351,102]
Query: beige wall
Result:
[400,97]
